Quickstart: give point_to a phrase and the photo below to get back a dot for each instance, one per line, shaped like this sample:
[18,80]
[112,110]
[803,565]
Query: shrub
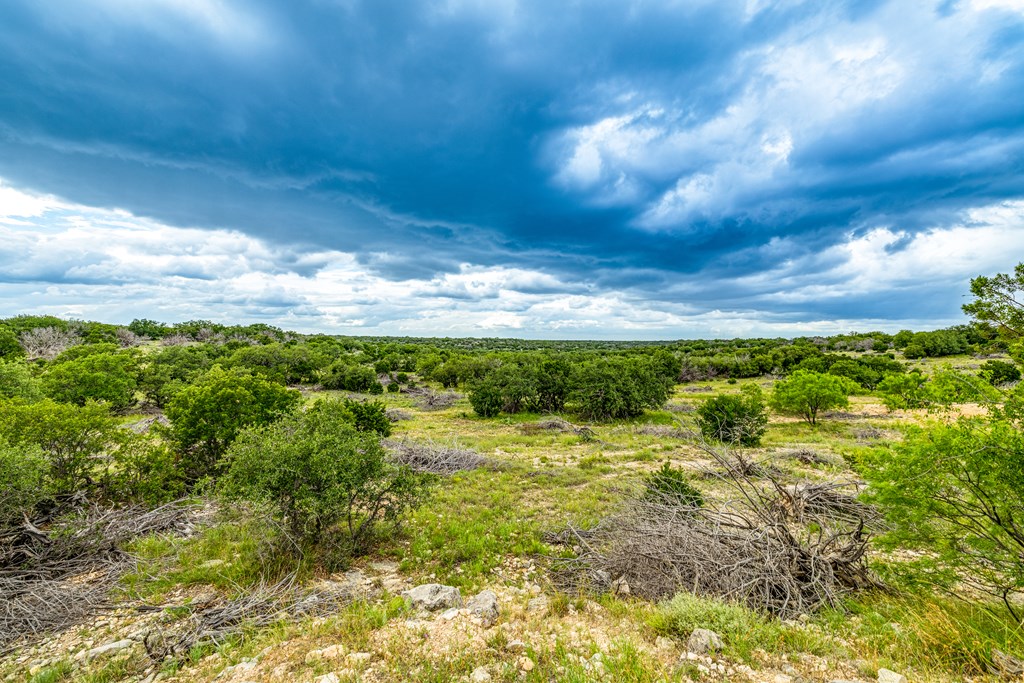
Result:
[998,372]
[672,484]
[734,419]
[614,388]
[806,394]
[486,397]
[369,416]
[171,369]
[143,470]
[70,437]
[17,381]
[106,377]
[958,489]
[9,346]
[23,471]
[905,391]
[207,416]
[347,376]
[319,471]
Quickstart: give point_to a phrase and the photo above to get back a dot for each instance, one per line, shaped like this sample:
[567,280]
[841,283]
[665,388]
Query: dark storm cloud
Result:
[630,146]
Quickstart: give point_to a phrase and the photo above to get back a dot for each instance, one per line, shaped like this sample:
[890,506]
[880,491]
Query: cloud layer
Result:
[646,169]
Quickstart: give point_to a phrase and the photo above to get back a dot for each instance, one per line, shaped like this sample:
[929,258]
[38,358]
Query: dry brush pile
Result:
[778,549]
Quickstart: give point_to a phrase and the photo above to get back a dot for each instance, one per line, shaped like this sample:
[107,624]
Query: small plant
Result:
[672,484]
[997,372]
[734,419]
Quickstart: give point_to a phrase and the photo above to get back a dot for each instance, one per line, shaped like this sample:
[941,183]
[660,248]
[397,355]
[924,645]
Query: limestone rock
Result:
[887,676]
[480,675]
[433,597]
[484,605]
[702,641]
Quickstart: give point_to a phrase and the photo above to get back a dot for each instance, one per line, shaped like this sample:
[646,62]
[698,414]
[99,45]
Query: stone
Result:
[703,641]
[106,649]
[526,664]
[358,657]
[433,597]
[887,676]
[480,675]
[537,604]
[515,646]
[484,605]
[1006,666]
[449,614]
[327,678]
[782,678]
[620,586]
[663,643]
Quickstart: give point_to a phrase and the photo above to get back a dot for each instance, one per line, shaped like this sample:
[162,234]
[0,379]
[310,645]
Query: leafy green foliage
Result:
[672,484]
[958,489]
[368,416]
[17,381]
[317,470]
[906,391]
[348,376]
[168,371]
[9,346]
[23,472]
[997,300]
[106,377]
[615,388]
[997,372]
[806,394]
[144,470]
[736,419]
[70,437]
[207,415]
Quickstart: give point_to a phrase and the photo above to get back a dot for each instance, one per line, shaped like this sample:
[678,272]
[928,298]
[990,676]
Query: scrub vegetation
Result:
[197,501]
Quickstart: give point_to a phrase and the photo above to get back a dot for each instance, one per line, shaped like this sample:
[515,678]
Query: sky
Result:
[624,169]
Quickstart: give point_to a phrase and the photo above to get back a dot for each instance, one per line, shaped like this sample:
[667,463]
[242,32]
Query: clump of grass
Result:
[743,630]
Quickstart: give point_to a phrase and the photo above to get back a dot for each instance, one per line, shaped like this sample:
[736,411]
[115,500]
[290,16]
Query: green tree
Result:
[736,419]
[318,470]
[207,416]
[615,388]
[806,394]
[17,381]
[9,346]
[997,372]
[999,300]
[72,438]
[106,377]
[905,391]
[958,489]
[23,480]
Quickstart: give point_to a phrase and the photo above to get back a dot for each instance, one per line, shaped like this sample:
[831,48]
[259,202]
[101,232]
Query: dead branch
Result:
[435,458]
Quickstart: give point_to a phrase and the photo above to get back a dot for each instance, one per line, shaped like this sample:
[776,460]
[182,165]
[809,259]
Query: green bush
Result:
[207,415]
[143,470]
[998,372]
[905,391]
[171,369]
[318,471]
[368,416]
[17,381]
[736,419]
[615,388]
[23,480]
[72,438]
[806,394]
[9,347]
[106,377]
[486,397]
[672,484]
[958,490]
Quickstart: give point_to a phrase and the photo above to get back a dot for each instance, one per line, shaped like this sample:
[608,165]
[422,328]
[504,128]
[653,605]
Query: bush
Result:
[9,346]
[171,369]
[106,377]
[369,416]
[143,470]
[486,397]
[318,471]
[958,490]
[906,391]
[734,419]
[997,372]
[672,484]
[207,416]
[71,438]
[806,394]
[17,381]
[347,376]
[615,388]
[23,471]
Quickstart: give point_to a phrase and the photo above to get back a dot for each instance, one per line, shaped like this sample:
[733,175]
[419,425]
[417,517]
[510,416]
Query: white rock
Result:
[433,597]
[484,605]
[357,657]
[526,664]
[703,641]
[450,614]
[480,675]
[327,678]
[887,676]
[105,649]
